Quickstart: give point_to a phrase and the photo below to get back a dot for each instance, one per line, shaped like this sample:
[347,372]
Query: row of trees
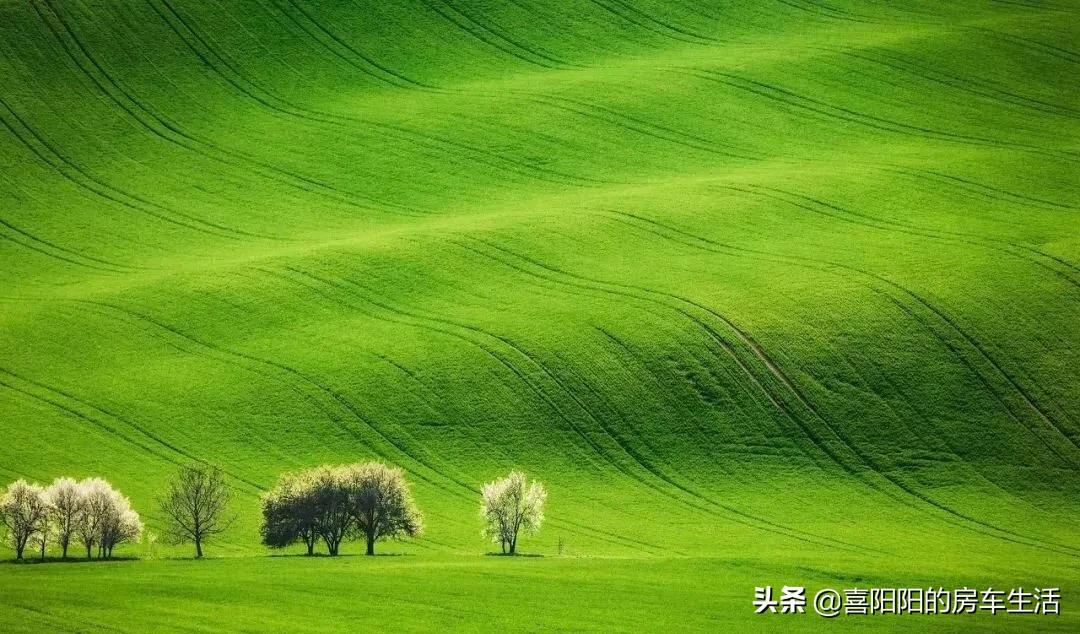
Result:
[89,512]
[332,504]
[372,501]
[369,501]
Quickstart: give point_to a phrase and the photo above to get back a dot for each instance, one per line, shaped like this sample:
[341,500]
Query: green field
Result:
[765,292]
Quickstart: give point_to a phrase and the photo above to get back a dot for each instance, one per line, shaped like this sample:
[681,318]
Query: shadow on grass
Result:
[528,555]
[37,561]
[339,556]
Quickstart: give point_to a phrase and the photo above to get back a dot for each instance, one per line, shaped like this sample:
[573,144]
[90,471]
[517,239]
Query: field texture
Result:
[765,292]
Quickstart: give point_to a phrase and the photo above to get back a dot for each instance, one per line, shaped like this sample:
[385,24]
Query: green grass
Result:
[475,594]
[764,292]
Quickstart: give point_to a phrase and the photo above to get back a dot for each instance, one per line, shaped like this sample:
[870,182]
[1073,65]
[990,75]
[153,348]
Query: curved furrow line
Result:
[424,389]
[845,215]
[267,99]
[642,295]
[258,366]
[33,247]
[333,395]
[808,104]
[112,431]
[397,77]
[478,33]
[956,82]
[987,191]
[820,10]
[1030,44]
[49,154]
[993,193]
[575,527]
[195,349]
[773,368]
[636,124]
[915,412]
[170,132]
[423,321]
[629,357]
[684,368]
[950,515]
[629,8]
[105,264]
[810,537]
[348,57]
[56,398]
[656,28]
[400,317]
[830,267]
[1027,397]
[986,384]
[1014,245]
[282,370]
[778,401]
[501,35]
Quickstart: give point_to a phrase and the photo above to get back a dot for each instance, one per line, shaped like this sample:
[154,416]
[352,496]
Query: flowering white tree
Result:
[107,518]
[120,523]
[95,494]
[66,510]
[23,510]
[511,505]
[45,533]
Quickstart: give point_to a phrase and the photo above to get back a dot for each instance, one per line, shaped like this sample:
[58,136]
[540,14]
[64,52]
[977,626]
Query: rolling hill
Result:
[778,292]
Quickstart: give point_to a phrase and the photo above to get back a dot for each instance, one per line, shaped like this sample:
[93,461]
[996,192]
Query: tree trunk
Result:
[43,549]
[89,553]
[19,550]
[370,545]
[64,547]
[310,546]
[198,548]
[513,545]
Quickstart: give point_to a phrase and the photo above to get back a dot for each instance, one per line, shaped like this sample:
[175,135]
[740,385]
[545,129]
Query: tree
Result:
[195,506]
[290,513]
[510,505]
[44,534]
[119,523]
[66,510]
[96,495]
[106,519]
[23,510]
[381,503]
[338,503]
[334,519]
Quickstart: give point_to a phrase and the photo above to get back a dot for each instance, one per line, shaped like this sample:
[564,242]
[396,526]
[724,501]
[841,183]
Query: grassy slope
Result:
[794,283]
